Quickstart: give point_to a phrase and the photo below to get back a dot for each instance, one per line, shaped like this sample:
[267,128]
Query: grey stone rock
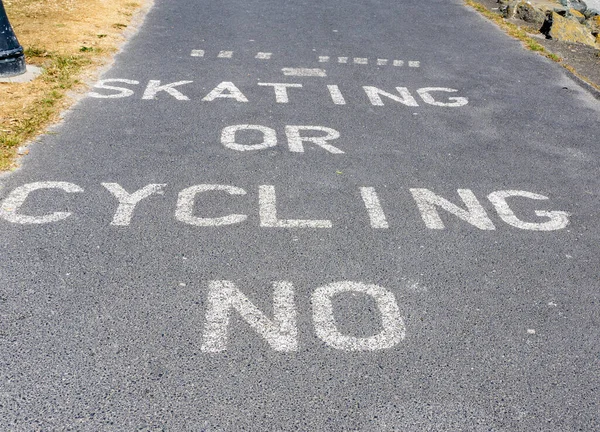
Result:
[529,13]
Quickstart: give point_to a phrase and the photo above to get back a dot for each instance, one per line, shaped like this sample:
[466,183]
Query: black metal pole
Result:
[12,59]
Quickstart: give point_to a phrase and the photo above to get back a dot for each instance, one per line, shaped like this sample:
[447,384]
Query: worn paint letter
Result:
[228,137]
[280,333]
[154,87]
[428,202]
[122,91]
[374,94]
[9,210]
[425,94]
[219,92]
[127,201]
[185,206]
[557,219]
[268,213]
[295,139]
[392,332]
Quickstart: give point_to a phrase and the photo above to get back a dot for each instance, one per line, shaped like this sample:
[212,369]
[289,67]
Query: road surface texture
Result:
[308,215]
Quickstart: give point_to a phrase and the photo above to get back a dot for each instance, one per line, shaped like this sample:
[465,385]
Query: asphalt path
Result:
[308,215]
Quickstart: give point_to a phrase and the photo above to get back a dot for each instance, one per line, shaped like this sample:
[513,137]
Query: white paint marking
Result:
[217,92]
[414,64]
[225,54]
[154,87]
[281,332]
[185,206]
[228,137]
[342,59]
[197,53]
[281,95]
[531,331]
[376,214]
[264,55]
[336,95]
[398,63]
[13,202]
[361,60]
[123,92]
[382,62]
[268,213]
[427,202]
[373,93]
[305,72]
[425,94]
[558,219]
[393,330]
[295,140]
[127,201]
[323,59]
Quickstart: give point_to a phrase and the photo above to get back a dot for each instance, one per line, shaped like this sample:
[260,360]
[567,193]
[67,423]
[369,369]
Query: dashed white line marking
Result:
[342,59]
[382,62]
[306,72]
[414,64]
[197,53]
[225,54]
[323,59]
[264,55]
[398,62]
[361,60]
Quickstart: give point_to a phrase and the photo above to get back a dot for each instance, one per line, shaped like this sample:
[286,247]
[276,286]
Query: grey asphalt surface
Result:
[101,326]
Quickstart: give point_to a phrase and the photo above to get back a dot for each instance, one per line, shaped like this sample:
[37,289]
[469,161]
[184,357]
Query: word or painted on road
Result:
[156,89]
[188,209]
[297,136]
[281,332]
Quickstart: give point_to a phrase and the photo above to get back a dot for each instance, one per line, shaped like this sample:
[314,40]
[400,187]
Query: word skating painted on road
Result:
[188,209]
[282,93]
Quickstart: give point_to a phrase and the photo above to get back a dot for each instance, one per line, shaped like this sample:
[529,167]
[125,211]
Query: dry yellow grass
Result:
[69,39]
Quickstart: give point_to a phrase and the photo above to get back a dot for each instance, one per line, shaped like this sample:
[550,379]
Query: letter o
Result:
[393,326]
[229,133]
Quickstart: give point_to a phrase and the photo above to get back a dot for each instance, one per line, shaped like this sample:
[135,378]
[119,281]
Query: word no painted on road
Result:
[281,331]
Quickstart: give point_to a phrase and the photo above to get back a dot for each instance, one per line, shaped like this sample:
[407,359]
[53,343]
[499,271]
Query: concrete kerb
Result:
[31,73]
